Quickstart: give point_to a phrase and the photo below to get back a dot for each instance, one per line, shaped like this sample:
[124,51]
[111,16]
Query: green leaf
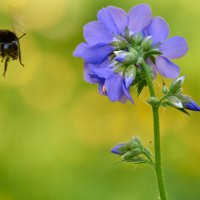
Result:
[184,111]
[165,104]
[153,59]
[138,160]
[140,86]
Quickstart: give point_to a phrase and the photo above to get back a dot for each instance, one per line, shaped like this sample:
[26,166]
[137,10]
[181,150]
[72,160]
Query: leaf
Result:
[165,104]
[140,86]
[184,111]
[153,59]
[138,160]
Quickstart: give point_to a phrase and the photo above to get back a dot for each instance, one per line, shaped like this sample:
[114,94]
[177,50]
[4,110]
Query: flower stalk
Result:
[157,148]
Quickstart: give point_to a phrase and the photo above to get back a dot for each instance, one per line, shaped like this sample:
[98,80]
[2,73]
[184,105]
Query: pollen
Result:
[104,89]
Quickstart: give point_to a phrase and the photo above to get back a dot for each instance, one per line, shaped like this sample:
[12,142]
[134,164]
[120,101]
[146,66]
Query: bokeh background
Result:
[56,131]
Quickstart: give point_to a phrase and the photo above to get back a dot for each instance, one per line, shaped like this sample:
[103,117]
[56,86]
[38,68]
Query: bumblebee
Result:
[9,48]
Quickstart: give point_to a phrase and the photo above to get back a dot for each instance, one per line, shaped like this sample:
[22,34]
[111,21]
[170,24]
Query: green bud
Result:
[153,101]
[176,85]
[165,89]
[132,153]
[174,102]
[138,39]
[147,43]
[131,58]
[131,71]
[119,44]
[140,61]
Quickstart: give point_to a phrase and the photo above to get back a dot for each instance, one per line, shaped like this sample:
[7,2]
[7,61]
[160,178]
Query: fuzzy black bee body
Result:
[9,47]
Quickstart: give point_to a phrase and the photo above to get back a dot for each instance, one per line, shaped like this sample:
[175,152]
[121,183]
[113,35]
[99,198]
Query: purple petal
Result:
[95,32]
[115,149]
[128,81]
[167,68]
[139,17]
[158,29]
[104,70]
[114,19]
[123,98]
[127,93]
[88,74]
[121,57]
[175,47]
[192,106]
[78,52]
[113,87]
[97,53]
[153,67]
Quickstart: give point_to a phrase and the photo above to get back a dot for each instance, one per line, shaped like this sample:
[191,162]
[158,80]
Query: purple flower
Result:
[171,48]
[115,43]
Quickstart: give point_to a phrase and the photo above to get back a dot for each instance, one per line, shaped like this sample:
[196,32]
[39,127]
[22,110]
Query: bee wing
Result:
[18,21]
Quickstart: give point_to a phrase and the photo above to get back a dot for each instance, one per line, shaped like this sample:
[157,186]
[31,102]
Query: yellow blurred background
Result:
[56,131]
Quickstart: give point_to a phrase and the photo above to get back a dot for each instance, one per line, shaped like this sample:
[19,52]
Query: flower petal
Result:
[153,67]
[192,106]
[115,149]
[158,29]
[139,17]
[167,68]
[114,19]
[80,49]
[104,70]
[113,87]
[127,92]
[95,32]
[97,53]
[175,47]
[88,74]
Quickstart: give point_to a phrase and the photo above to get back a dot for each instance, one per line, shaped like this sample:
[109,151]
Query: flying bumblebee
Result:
[9,47]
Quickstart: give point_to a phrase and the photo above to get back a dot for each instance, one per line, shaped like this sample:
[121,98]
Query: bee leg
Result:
[20,57]
[5,66]
[2,59]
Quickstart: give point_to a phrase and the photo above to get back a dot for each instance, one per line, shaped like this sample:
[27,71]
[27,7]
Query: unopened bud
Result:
[152,101]
[174,102]
[147,42]
[165,89]
[176,84]
[127,57]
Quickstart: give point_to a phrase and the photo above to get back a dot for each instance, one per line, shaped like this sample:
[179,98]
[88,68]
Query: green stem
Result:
[155,109]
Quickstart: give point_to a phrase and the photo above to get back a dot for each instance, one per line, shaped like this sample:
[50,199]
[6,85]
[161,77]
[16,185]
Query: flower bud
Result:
[174,102]
[164,89]
[127,57]
[152,101]
[176,85]
[147,43]
[138,38]
[120,148]
[132,153]
[192,106]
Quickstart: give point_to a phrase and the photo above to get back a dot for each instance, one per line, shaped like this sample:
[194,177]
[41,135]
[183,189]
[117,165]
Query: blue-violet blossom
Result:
[118,40]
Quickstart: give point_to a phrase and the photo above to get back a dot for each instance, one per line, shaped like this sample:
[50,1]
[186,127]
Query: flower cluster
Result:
[133,151]
[118,41]
[175,98]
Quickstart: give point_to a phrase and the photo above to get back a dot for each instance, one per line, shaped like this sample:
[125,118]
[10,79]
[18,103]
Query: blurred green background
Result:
[56,131]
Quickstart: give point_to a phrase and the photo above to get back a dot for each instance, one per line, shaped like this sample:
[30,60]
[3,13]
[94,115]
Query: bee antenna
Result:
[22,36]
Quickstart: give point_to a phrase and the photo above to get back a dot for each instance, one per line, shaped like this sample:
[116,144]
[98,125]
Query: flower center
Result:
[130,49]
